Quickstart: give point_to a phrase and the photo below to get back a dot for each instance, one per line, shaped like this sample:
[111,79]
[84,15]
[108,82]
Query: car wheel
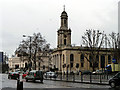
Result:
[33,80]
[41,81]
[112,84]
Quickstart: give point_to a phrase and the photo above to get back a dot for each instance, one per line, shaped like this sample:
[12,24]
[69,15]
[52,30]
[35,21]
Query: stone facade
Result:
[70,58]
[21,63]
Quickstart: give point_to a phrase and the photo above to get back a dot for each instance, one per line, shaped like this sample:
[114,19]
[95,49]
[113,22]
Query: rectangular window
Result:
[71,64]
[82,64]
[109,59]
[64,41]
[65,22]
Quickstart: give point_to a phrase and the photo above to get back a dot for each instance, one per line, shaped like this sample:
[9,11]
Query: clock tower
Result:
[64,34]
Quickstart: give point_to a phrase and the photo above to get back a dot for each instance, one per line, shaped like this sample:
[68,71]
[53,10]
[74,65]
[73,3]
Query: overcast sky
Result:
[25,17]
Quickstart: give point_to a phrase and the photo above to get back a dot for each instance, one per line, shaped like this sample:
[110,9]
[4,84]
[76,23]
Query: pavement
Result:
[8,84]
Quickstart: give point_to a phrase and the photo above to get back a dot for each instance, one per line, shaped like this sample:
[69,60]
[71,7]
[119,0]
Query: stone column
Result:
[60,62]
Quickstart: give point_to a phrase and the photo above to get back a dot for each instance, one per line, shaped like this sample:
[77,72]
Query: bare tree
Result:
[32,47]
[39,45]
[93,40]
[113,43]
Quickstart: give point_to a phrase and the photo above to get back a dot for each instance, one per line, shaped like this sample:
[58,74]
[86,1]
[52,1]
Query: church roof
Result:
[63,13]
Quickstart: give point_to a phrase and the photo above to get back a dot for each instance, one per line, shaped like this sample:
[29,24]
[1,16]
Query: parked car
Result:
[24,74]
[97,72]
[34,75]
[87,72]
[100,72]
[115,80]
[18,70]
[50,75]
[13,75]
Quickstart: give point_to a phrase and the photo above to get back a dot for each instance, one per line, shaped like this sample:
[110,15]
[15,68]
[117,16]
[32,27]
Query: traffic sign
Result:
[113,60]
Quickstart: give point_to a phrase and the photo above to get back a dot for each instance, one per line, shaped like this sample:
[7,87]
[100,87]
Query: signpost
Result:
[114,60]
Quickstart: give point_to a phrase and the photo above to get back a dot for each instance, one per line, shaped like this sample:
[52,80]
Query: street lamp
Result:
[29,62]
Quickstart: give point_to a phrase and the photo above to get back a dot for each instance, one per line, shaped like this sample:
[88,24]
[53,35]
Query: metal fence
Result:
[84,78]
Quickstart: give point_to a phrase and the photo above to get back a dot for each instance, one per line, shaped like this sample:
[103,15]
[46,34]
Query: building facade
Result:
[68,58]
[21,63]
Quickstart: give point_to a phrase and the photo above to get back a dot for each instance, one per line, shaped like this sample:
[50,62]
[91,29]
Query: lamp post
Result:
[29,62]
[49,62]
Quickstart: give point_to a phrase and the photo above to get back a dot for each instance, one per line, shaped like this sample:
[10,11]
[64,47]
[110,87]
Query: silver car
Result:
[50,75]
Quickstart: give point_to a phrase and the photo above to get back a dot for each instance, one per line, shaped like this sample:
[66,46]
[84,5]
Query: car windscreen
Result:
[50,73]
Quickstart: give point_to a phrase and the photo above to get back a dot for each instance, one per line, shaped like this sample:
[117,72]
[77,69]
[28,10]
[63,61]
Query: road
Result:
[6,83]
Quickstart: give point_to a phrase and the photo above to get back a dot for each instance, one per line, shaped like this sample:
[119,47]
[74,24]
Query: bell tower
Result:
[64,34]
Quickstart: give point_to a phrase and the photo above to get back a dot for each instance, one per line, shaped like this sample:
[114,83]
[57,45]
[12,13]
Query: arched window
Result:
[26,66]
[82,58]
[65,22]
[97,58]
[82,64]
[71,60]
[71,57]
[109,59]
[63,58]
[90,59]
[39,64]
[31,64]
[102,61]
[64,41]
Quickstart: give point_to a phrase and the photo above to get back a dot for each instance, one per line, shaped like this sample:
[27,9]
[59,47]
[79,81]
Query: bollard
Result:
[90,78]
[18,86]
[50,76]
[73,77]
[100,79]
[81,77]
[21,85]
[67,76]
[107,76]
[61,76]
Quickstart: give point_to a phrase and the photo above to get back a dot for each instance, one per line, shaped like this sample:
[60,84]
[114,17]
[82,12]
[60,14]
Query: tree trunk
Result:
[35,65]
[93,67]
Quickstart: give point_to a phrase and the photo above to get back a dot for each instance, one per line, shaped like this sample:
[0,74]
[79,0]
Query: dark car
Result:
[115,80]
[34,75]
[13,75]
[87,72]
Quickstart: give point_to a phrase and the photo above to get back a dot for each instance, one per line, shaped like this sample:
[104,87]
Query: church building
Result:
[69,58]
